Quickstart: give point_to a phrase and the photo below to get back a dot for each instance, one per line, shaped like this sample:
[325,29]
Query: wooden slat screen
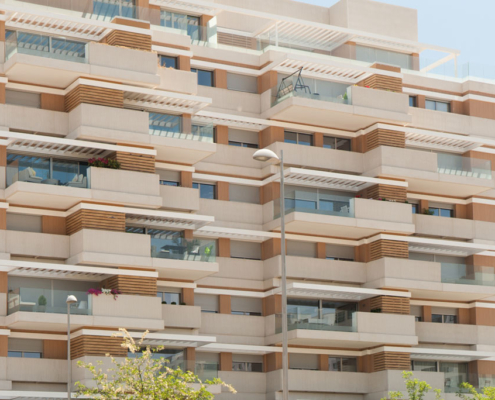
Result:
[93,95]
[140,285]
[387,192]
[385,137]
[96,346]
[383,82]
[387,360]
[236,40]
[391,304]
[388,248]
[129,39]
[135,162]
[94,219]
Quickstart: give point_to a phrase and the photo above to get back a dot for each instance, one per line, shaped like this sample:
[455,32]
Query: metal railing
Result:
[44,46]
[47,301]
[183,249]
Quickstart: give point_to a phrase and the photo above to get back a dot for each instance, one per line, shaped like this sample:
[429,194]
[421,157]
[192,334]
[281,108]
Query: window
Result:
[206,191]
[425,366]
[169,298]
[247,366]
[26,99]
[415,208]
[240,144]
[441,212]
[412,101]
[339,259]
[330,142]
[418,319]
[184,22]
[444,319]
[25,354]
[298,138]
[168,62]
[344,364]
[169,183]
[205,78]
[437,105]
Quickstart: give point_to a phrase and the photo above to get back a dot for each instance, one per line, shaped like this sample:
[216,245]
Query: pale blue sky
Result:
[465,25]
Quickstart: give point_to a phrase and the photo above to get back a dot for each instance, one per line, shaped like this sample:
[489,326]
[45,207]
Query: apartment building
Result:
[389,195]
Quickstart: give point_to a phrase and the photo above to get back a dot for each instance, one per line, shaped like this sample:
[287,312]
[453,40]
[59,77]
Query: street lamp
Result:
[265,155]
[71,299]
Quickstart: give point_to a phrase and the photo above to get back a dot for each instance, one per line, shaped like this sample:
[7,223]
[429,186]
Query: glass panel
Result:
[206,191]
[305,139]
[450,319]
[16,354]
[454,164]
[238,366]
[171,298]
[427,366]
[446,213]
[329,142]
[430,105]
[454,373]
[412,101]
[445,107]
[468,274]
[193,29]
[28,354]
[438,318]
[343,144]
[169,183]
[334,363]
[205,78]
[168,62]
[47,301]
[434,211]
[182,249]
[415,208]
[349,364]
[165,125]
[290,137]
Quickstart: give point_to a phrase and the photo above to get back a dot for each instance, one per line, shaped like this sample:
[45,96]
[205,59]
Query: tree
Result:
[416,389]
[144,377]
[487,393]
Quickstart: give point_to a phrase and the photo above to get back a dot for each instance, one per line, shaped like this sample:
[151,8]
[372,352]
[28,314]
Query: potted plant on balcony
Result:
[42,303]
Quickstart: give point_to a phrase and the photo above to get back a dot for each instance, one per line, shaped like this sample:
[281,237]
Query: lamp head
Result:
[71,299]
[265,155]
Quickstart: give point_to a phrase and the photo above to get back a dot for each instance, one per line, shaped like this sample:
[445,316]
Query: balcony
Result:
[179,198]
[35,244]
[62,184]
[426,172]
[47,301]
[435,280]
[317,269]
[179,316]
[351,108]
[233,214]
[180,139]
[341,216]
[249,329]
[349,330]
[36,370]
[175,80]
[180,259]
[459,334]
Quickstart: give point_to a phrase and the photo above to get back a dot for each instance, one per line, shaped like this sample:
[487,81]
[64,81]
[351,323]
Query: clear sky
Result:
[465,25]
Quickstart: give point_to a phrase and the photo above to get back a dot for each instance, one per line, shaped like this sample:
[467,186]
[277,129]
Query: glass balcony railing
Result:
[308,88]
[339,206]
[340,321]
[183,249]
[44,46]
[468,274]
[453,164]
[47,301]
[49,171]
[177,127]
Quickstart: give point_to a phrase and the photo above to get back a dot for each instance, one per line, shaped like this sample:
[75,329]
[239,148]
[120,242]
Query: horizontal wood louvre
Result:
[387,360]
[383,82]
[129,39]
[385,137]
[135,162]
[96,346]
[93,95]
[388,248]
[391,305]
[386,192]
[144,286]
[94,219]
[236,40]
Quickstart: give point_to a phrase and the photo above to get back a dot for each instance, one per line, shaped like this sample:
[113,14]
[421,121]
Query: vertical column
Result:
[186,179]
[224,304]
[220,78]
[190,359]
[184,63]
[224,247]
[426,314]
[321,250]
[269,192]
[272,362]
[267,81]
[270,135]
[270,248]
[3,167]
[323,362]
[222,191]
[222,134]
[188,296]
[225,361]
[318,139]
[272,305]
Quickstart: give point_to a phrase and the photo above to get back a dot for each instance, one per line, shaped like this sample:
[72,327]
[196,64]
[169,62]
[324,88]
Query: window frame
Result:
[197,185]
[436,102]
[199,72]
[165,57]
[298,142]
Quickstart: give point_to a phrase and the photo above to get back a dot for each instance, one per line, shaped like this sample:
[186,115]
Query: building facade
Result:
[126,162]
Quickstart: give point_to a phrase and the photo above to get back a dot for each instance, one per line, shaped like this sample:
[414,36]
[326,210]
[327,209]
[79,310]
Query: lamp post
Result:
[265,155]
[71,299]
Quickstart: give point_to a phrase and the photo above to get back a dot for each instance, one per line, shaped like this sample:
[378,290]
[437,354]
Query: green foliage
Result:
[487,393]
[144,377]
[416,389]
[42,300]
